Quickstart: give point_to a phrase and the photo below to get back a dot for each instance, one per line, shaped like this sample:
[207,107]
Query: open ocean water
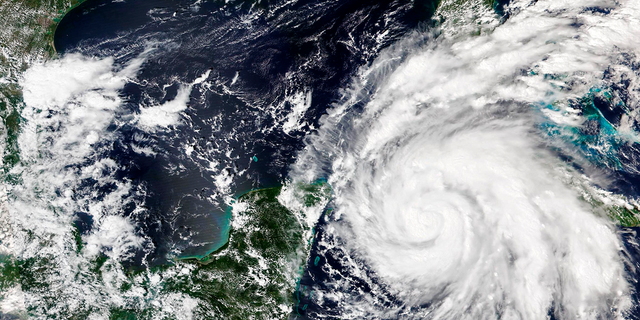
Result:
[482,157]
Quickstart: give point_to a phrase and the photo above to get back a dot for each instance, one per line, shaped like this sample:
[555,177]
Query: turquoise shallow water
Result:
[224,221]
[233,120]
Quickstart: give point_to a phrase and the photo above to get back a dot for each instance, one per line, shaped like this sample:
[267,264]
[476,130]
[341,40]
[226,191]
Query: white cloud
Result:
[443,188]
[168,113]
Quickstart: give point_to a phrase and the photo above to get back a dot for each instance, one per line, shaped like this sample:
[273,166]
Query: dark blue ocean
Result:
[259,54]
[272,48]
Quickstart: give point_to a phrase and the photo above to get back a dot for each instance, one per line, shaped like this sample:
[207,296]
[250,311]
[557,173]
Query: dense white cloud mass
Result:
[69,106]
[448,202]
[168,113]
[69,103]
[444,187]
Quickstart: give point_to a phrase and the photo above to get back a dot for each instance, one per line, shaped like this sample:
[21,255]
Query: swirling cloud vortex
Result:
[445,189]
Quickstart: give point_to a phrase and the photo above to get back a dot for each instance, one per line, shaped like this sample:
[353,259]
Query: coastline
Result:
[226,229]
[54,28]
[225,237]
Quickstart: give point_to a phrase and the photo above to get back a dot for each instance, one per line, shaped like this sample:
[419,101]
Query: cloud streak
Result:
[444,188]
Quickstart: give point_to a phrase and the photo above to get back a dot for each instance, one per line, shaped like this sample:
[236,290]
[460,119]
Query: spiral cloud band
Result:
[445,190]
[474,216]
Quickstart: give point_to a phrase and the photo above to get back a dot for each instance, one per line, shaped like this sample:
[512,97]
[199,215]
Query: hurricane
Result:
[458,180]
[320,159]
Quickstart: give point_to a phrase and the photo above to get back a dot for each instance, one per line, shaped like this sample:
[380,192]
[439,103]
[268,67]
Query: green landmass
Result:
[623,213]
[601,147]
[27,28]
[26,37]
[252,277]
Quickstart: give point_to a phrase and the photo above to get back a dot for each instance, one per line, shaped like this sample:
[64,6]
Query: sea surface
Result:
[268,71]
[483,159]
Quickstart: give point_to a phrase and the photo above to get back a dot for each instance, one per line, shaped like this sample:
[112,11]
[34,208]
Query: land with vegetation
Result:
[253,276]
